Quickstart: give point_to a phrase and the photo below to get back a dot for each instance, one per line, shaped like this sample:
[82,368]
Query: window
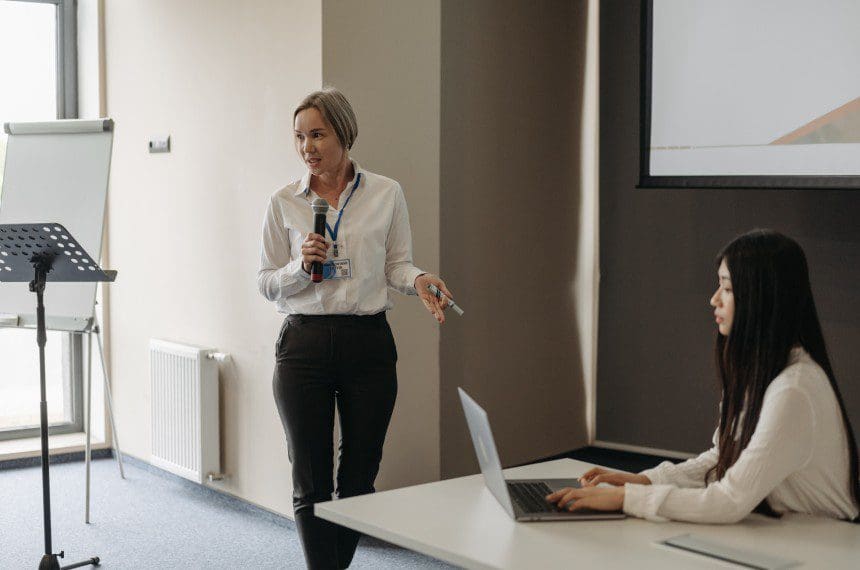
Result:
[38,66]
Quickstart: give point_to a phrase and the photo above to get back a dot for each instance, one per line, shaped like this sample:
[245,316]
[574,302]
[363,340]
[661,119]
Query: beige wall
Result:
[222,80]
[511,203]
[445,93]
[384,54]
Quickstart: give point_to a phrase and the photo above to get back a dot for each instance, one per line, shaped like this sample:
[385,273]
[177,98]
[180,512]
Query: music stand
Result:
[39,253]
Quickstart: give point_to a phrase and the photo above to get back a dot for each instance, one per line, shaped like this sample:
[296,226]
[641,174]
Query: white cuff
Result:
[292,278]
[658,475]
[644,501]
[413,275]
[295,269]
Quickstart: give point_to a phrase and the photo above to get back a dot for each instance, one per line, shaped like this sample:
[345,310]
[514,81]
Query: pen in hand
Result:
[439,295]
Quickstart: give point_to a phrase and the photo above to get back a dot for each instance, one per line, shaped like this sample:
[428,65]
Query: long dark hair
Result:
[774,312]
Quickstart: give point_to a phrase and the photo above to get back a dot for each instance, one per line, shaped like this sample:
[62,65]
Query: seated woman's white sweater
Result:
[797,458]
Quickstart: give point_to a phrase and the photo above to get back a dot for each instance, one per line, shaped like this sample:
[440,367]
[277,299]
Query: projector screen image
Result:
[759,92]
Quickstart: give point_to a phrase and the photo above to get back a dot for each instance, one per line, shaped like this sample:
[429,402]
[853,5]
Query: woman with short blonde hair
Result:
[335,350]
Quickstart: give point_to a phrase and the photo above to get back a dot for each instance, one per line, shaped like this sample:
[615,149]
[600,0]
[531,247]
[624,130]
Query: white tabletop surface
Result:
[460,522]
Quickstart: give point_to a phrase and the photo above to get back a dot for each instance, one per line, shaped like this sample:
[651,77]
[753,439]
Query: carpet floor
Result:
[155,520]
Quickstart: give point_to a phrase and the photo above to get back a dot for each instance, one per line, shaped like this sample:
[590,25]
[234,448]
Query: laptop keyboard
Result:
[531,497]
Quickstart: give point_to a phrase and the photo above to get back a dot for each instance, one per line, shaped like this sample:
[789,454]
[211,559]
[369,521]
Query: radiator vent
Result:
[185,425]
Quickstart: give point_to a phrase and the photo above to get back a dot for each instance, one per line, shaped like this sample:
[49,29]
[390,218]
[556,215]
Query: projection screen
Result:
[750,94]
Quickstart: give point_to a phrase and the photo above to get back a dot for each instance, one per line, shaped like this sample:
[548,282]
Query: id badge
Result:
[337,269]
[338,250]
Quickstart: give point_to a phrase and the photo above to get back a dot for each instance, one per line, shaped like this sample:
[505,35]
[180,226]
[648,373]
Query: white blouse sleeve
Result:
[781,444]
[690,473]
[279,276]
[400,274]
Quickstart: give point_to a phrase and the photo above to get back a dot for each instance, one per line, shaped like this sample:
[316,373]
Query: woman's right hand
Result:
[601,475]
[314,248]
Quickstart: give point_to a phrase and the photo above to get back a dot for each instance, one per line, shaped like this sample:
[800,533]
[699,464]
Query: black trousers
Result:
[329,362]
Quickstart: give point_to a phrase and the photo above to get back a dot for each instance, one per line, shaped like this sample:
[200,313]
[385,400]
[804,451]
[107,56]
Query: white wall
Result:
[587,280]
[221,78]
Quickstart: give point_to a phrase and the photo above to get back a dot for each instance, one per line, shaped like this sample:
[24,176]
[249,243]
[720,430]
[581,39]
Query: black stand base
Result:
[50,562]
[47,248]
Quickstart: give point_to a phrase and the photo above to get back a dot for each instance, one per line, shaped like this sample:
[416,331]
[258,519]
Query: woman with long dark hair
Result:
[784,442]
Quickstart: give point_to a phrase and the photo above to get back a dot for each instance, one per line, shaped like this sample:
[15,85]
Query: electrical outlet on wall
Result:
[160,144]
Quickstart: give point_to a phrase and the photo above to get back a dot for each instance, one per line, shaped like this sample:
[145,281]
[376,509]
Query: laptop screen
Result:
[485,449]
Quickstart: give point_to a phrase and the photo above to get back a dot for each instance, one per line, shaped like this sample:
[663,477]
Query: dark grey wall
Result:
[512,77]
[656,382]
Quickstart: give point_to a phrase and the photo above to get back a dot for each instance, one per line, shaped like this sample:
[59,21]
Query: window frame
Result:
[67,108]
[73,374]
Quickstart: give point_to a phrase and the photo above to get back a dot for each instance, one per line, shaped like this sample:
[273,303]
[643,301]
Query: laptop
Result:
[523,499]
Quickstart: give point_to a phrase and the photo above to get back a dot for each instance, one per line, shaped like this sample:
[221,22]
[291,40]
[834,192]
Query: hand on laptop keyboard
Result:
[600,475]
[595,498]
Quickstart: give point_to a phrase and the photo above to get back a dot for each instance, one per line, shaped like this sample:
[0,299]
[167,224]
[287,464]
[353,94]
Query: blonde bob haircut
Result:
[336,110]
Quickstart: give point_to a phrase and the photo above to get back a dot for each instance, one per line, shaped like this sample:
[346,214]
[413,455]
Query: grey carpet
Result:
[155,520]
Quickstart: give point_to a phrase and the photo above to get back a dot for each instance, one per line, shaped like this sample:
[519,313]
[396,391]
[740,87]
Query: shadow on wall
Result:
[512,96]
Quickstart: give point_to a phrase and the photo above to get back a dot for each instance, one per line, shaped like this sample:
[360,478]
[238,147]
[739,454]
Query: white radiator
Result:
[185,425]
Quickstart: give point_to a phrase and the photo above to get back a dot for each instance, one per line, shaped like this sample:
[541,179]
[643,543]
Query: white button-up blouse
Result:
[374,235]
[797,458]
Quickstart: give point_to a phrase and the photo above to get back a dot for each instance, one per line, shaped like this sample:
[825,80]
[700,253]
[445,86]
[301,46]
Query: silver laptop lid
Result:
[485,449]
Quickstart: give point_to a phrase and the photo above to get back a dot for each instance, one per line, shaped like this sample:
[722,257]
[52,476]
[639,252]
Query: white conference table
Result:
[460,522]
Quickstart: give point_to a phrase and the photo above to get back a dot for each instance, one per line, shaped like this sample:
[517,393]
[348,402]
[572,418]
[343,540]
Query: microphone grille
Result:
[320,206]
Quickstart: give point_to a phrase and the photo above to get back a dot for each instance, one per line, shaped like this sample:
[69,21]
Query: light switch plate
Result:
[160,144]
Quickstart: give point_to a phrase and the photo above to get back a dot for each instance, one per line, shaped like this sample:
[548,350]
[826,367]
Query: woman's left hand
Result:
[435,305]
[596,498]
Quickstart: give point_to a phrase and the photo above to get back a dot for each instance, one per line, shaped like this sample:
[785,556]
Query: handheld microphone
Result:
[320,208]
